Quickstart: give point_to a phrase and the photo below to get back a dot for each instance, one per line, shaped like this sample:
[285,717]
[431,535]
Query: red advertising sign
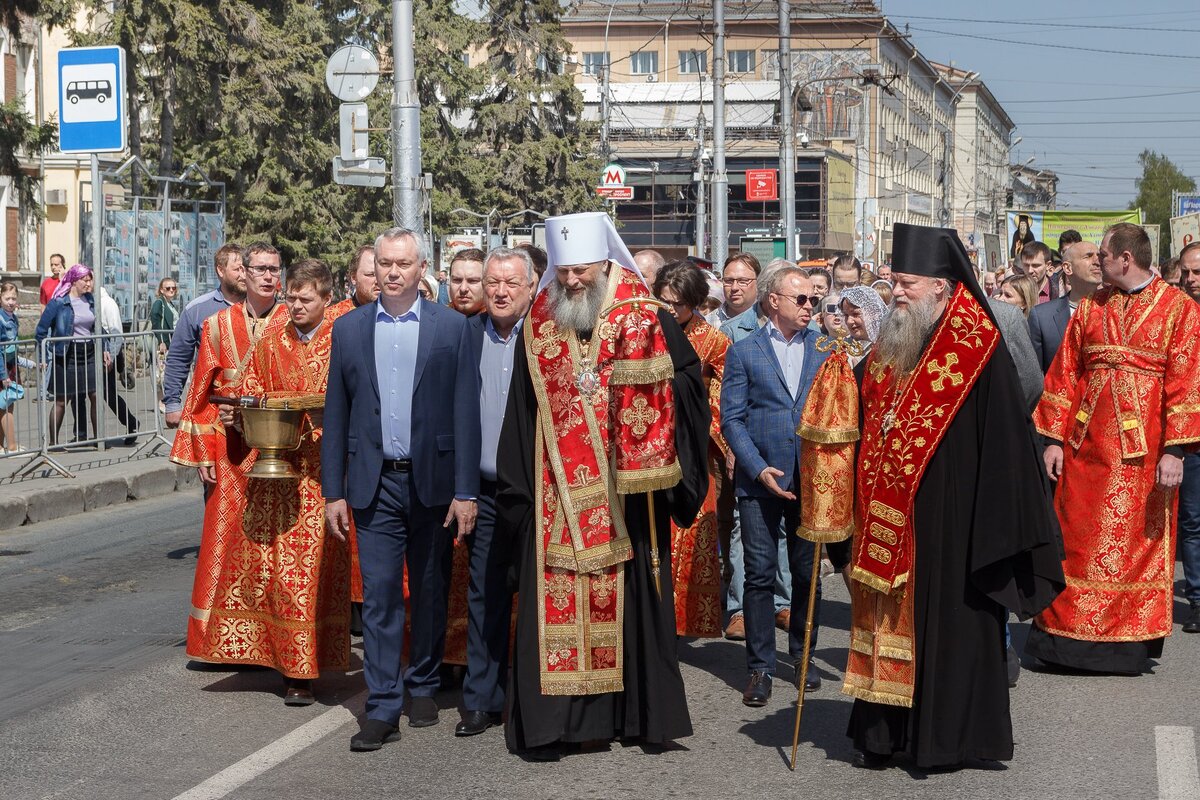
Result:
[762,185]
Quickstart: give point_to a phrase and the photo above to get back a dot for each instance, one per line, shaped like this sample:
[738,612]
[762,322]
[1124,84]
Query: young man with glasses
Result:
[775,366]
[227,341]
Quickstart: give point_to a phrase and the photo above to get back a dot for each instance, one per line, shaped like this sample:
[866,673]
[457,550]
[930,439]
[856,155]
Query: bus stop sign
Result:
[91,100]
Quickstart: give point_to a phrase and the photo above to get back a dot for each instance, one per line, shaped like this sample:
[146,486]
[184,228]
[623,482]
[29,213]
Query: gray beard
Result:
[904,333]
[578,313]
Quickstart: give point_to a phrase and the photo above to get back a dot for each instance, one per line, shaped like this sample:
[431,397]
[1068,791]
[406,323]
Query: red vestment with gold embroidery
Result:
[1124,386]
[227,342]
[282,600]
[695,561]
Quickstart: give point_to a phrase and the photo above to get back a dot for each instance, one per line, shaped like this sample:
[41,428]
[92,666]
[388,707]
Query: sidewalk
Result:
[102,478]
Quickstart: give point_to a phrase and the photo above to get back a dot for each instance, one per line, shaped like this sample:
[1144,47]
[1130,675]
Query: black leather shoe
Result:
[1192,623]
[356,619]
[812,681]
[422,712]
[299,693]
[869,760]
[475,722]
[544,754]
[372,733]
[758,691]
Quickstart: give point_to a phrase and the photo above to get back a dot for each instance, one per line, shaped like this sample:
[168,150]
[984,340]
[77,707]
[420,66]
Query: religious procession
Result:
[570,467]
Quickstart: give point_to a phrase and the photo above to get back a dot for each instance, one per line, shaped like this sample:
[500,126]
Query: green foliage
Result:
[1160,178]
[541,153]
[21,137]
[238,88]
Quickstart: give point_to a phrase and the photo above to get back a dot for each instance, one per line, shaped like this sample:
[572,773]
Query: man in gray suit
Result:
[1048,321]
[1013,329]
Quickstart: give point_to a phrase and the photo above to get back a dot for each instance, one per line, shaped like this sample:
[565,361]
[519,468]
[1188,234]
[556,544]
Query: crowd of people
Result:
[547,466]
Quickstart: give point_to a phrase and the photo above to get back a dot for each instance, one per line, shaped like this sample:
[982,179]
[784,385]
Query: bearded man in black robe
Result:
[954,523]
[603,444]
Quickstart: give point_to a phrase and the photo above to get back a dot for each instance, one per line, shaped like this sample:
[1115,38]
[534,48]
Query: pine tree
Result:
[540,154]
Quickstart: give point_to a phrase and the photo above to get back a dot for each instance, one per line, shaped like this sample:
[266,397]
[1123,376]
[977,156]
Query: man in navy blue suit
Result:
[401,452]
[1048,321]
[767,377]
[508,284]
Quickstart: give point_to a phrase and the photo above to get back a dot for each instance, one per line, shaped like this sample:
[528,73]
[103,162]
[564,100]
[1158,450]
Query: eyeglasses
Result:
[170,288]
[738,281]
[262,269]
[800,299]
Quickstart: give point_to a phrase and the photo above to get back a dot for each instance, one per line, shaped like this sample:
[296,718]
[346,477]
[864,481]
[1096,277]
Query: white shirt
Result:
[790,355]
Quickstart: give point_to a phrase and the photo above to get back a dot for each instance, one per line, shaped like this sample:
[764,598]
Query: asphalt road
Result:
[97,700]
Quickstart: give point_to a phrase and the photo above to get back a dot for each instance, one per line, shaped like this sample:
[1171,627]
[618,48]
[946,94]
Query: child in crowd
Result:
[10,384]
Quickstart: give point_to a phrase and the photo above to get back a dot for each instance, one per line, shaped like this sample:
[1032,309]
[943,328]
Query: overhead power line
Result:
[1069,25]
[1057,46]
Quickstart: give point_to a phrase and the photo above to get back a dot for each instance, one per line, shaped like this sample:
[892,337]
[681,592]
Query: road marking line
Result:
[274,754]
[1178,777]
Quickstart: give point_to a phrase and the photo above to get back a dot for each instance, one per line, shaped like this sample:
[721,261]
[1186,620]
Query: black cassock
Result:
[653,706]
[987,540]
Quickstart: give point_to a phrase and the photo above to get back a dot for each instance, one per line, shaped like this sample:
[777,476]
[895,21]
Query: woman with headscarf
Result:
[863,311]
[70,317]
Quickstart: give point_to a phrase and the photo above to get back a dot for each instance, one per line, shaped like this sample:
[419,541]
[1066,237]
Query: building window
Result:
[549,63]
[594,62]
[692,62]
[644,62]
[466,58]
[741,61]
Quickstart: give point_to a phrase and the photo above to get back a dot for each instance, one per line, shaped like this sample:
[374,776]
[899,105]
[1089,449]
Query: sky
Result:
[1090,85]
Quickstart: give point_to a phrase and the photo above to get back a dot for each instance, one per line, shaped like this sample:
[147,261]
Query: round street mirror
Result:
[352,73]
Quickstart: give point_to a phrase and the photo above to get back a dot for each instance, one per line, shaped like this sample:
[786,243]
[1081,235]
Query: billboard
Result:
[1186,203]
[1184,231]
[1047,226]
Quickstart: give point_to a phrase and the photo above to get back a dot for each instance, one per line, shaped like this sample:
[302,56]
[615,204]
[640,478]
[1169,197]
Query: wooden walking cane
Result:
[812,602]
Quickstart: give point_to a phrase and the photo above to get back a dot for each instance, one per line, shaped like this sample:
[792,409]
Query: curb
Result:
[91,490]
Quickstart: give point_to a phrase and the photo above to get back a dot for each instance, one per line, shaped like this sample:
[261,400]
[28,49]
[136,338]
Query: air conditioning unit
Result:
[651,78]
[56,197]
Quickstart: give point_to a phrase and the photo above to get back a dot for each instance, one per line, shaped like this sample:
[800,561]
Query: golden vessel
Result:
[273,432]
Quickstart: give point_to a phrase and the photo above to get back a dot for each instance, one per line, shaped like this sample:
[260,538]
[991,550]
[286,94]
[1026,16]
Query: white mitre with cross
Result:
[584,239]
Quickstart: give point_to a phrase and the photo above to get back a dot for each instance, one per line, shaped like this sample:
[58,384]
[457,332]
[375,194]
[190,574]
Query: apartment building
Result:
[868,155]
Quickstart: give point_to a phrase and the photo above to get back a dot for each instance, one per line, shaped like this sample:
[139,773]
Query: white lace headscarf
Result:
[870,303]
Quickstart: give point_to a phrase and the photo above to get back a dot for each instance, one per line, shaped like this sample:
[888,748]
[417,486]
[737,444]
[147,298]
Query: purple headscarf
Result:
[75,273]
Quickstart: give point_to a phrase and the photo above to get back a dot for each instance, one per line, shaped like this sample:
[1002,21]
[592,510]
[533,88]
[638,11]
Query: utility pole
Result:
[701,207]
[605,110]
[787,133]
[720,177]
[407,180]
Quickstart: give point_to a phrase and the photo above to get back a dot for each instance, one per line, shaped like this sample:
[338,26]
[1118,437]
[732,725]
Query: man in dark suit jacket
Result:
[508,283]
[401,452]
[1048,321]
[767,377]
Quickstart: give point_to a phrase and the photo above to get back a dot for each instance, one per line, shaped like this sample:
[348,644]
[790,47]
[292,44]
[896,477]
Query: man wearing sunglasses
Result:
[767,378]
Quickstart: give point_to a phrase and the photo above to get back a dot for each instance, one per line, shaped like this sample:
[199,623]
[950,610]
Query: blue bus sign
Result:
[91,100]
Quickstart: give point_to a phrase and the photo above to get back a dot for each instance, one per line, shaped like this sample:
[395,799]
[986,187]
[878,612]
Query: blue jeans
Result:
[1189,527]
[737,579]
[763,518]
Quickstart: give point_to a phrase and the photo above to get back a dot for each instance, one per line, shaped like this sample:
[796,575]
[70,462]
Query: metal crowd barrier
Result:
[55,413]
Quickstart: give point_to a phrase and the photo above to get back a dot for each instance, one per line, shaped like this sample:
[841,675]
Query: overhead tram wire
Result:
[1056,45]
[1070,26]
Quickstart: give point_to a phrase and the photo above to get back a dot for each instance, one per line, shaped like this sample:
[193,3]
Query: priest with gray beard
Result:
[953,520]
[603,446]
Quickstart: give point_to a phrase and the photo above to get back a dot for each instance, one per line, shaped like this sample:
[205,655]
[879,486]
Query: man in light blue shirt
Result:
[508,284]
[186,340]
[766,382]
[396,364]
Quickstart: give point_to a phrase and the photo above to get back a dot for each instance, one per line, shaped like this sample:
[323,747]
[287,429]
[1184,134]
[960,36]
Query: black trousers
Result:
[489,610]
